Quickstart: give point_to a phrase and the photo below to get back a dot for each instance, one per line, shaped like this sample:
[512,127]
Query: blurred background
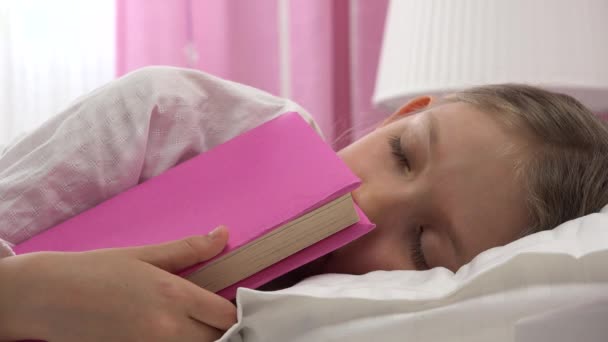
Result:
[348,62]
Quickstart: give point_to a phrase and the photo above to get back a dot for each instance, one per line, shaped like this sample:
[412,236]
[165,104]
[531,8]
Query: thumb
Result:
[177,255]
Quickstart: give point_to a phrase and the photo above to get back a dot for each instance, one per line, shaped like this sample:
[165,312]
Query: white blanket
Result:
[118,136]
[483,301]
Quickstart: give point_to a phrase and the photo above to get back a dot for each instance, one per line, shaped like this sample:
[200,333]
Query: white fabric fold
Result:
[483,301]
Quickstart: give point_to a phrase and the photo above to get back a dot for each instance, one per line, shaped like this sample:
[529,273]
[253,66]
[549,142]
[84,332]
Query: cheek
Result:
[382,199]
[365,156]
[436,251]
[379,250]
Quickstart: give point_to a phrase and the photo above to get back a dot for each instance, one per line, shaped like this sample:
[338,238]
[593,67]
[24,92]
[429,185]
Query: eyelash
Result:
[417,253]
[397,151]
[416,248]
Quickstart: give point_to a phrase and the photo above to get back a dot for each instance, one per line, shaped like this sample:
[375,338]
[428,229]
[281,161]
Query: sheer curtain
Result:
[50,53]
[322,54]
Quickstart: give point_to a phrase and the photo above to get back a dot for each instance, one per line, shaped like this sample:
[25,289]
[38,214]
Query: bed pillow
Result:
[482,301]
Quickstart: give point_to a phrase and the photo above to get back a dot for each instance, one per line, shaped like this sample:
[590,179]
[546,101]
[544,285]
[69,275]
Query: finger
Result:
[209,308]
[177,255]
[197,332]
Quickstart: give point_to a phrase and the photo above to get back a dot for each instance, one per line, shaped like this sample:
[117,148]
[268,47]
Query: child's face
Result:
[460,187]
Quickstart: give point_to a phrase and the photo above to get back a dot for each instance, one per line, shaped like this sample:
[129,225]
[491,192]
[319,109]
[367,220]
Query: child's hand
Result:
[123,294]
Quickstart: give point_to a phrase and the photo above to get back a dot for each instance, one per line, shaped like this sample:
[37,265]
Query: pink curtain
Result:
[321,54]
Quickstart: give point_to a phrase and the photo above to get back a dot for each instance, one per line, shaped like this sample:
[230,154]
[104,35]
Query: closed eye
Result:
[417,253]
[397,152]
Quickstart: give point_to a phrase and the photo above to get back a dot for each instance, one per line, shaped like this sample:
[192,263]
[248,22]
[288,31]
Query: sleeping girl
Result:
[443,179]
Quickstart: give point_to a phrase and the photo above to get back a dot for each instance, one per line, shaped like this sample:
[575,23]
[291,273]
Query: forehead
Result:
[472,175]
[470,125]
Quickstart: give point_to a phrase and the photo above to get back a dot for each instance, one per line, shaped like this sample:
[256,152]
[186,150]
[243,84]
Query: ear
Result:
[414,105]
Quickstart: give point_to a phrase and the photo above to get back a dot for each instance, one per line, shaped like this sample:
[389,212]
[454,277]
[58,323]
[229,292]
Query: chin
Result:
[313,268]
[330,263]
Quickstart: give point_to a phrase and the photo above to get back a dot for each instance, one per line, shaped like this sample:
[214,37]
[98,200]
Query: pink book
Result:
[256,184]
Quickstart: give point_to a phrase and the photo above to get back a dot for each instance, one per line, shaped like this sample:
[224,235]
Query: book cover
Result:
[253,183]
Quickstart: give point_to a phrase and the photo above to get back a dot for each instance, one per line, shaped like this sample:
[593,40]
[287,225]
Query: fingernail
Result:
[215,233]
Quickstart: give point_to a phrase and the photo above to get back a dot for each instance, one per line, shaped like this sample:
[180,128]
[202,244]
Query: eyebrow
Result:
[433,134]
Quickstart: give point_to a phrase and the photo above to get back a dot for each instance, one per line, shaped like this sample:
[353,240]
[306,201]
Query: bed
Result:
[549,282]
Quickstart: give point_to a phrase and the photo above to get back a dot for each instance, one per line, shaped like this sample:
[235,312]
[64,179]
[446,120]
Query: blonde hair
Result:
[565,174]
